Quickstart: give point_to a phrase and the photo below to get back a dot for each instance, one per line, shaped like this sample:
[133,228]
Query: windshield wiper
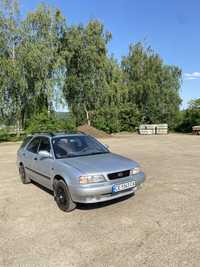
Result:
[96,153]
[82,155]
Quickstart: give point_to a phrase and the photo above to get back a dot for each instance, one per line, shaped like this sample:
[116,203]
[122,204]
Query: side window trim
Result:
[34,138]
[52,150]
[50,144]
[44,137]
[40,138]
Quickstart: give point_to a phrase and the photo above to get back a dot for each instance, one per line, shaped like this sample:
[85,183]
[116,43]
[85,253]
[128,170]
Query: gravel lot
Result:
[159,226]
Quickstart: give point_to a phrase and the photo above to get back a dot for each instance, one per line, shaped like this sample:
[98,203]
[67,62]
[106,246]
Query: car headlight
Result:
[89,179]
[135,171]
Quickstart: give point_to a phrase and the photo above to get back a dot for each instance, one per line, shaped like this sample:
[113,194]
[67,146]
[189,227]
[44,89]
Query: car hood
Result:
[101,163]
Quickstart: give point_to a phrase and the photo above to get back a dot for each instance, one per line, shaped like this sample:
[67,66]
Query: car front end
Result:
[102,187]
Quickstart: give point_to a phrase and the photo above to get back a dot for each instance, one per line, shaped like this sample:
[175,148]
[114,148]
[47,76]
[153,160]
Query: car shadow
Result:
[42,187]
[91,206]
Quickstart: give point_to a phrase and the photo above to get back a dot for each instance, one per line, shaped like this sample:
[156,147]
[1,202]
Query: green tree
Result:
[30,60]
[11,80]
[43,122]
[189,117]
[85,78]
[194,104]
[152,85]
[117,113]
[40,57]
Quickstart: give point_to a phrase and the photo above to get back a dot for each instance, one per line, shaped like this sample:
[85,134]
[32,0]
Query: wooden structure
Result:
[152,129]
[196,130]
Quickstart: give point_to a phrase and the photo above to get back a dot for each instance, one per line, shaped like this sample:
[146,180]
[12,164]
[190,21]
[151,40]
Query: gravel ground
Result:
[159,226]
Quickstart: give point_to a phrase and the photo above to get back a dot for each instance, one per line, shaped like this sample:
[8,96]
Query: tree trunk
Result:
[22,119]
[87,115]
[18,127]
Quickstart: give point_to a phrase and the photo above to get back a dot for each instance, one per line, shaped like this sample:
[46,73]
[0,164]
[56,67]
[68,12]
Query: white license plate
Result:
[124,186]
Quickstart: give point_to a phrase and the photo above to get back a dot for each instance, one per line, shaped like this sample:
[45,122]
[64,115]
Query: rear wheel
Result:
[62,196]
[22,173]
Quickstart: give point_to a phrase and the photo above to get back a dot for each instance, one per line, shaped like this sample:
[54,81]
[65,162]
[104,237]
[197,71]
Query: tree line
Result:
[43,60]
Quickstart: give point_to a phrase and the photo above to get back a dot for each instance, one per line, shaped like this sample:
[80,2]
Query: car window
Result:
[33,146]
[45,145]
[25,141]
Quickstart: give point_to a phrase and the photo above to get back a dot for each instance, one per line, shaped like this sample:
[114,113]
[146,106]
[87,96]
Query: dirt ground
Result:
[159,226]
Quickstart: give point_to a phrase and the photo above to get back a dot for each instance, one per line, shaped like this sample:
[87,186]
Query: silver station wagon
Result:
[77,168]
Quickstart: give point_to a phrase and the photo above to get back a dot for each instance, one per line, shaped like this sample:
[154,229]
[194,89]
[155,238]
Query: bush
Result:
[188,118]
[44,122]
[129,117]
[4,135]
[116,119]
[8,134]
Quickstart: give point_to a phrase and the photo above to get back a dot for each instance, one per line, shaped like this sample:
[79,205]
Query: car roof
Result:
[57,134]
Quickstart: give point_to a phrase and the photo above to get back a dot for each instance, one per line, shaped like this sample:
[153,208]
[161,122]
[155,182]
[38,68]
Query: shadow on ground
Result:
[92,206]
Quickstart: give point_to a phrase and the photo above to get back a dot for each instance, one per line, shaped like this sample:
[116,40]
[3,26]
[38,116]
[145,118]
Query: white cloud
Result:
[192,76]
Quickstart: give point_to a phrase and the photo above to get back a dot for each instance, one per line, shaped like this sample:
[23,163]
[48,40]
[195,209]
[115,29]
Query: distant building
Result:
[152,129]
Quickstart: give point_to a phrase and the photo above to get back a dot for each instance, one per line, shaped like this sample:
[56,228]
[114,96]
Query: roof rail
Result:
[81,132]
[68,132]
[57,132]
[43,132]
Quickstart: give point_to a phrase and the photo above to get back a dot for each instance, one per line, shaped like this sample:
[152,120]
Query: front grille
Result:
[118,175]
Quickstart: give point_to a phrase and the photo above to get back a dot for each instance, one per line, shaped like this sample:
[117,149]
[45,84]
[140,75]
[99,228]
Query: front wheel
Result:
[63,197]
[22,173]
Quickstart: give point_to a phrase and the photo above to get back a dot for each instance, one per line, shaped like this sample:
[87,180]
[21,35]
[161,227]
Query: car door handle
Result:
[35,158]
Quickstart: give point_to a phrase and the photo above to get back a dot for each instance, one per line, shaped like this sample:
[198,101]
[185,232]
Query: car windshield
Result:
[77,146]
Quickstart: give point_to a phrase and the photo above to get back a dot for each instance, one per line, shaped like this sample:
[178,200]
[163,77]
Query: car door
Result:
[29,157]
[43,165]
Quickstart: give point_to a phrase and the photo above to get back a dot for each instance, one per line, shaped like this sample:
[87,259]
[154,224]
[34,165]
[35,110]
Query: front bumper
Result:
[94,193]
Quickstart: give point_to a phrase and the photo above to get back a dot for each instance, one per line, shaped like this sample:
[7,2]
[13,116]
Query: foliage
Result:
[29,60]
[4,136]
[152,85]
[189,117]
[85,77]
[42,58]
[44,121]
[117,118]
[194,104]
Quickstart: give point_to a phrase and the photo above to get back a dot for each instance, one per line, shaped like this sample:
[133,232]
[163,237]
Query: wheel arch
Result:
[58,177]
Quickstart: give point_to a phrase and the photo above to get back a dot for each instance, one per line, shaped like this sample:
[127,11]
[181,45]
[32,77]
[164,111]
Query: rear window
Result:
[25,141]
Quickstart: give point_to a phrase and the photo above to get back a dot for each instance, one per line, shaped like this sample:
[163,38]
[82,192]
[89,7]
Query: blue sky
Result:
[170,27]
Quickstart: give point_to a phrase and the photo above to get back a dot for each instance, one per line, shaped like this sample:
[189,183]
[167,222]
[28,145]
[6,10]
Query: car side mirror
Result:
[44,154]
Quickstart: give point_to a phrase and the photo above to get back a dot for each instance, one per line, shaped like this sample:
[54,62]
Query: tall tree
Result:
[152,85]
[40,56]
[85,78]
[116,113]
[11,81]
[30,60]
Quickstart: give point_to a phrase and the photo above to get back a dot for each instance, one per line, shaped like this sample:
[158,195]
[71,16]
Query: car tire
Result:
[62,196]
[23,176]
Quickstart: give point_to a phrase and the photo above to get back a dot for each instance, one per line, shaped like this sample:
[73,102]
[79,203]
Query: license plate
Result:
[124,186]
